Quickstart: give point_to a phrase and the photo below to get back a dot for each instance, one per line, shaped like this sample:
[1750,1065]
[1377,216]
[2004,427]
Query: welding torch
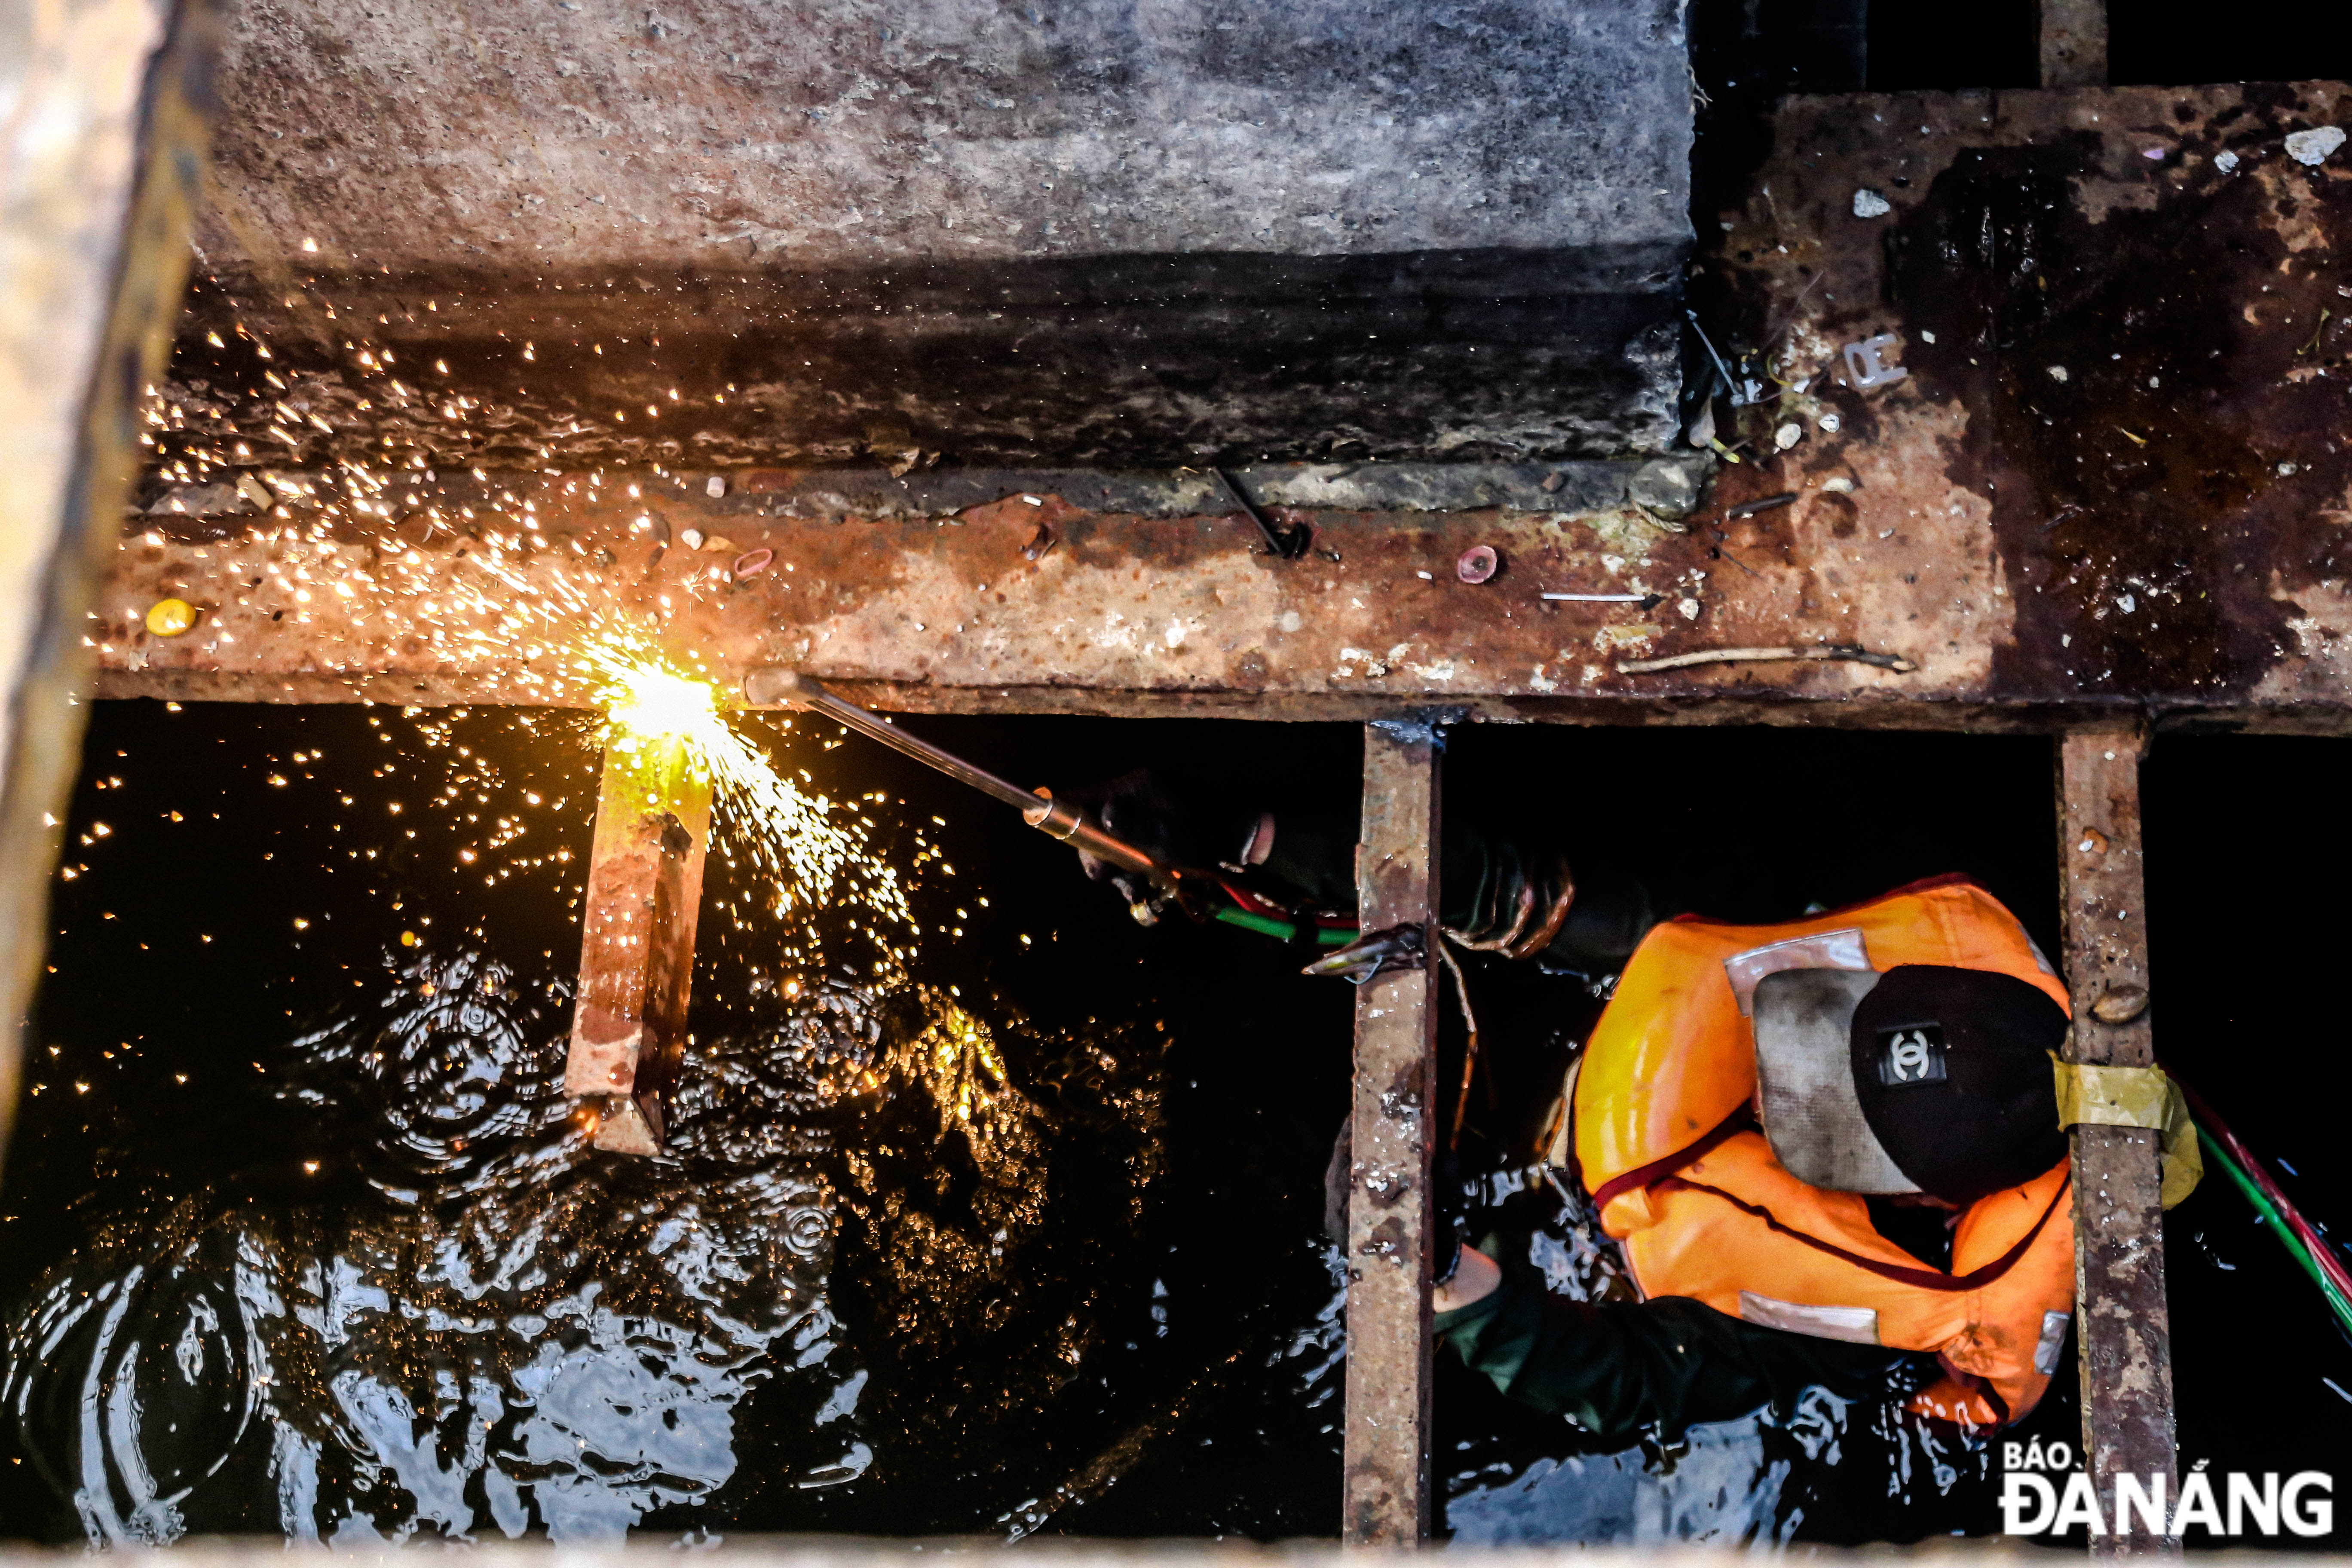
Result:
[1073,825]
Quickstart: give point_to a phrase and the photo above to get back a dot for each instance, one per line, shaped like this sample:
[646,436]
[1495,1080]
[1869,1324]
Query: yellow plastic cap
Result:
[170,617]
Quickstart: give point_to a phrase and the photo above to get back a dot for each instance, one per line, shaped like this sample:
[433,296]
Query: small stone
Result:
[2120,1004]
[2226,162]
[1552,482]
[1787,435]
[1840,486]
[1830,422]
[1689,608]
[1868,203]
[2311,147]
[690,537]
[2057,372]
[714,486]
[2093,842]
[1667,486]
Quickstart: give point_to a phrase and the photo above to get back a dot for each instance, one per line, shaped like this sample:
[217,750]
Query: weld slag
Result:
[2033,1503]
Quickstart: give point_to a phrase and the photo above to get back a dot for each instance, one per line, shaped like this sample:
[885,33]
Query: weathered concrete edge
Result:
[489,688]
[1670,485]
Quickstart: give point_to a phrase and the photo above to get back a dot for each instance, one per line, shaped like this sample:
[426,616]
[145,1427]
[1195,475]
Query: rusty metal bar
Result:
[2073,43]
[1392,1138]
[2124,1333]
[100,156]
[637,939]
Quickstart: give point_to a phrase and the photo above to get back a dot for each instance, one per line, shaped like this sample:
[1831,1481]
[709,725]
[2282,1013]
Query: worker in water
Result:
[1829,1150]
[1755,1112]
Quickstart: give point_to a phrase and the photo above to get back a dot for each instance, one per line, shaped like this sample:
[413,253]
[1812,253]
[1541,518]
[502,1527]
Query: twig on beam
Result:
[1842,653]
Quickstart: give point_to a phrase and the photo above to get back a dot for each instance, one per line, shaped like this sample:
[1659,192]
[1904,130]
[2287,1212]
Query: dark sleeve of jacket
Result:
[1621,1369]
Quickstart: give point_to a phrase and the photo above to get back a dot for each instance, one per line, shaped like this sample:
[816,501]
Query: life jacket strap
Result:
[1634,1180]
[1925,1278]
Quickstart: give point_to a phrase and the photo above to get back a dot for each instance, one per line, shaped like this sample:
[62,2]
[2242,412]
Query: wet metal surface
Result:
[1392,1136]
[638,915]
[2124,1325]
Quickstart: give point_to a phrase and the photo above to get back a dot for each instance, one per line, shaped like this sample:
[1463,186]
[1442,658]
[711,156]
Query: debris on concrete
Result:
[1868,203]
[1668,486]
[2311,147]
[171,617]
[1787,435]
[1833,653]
[1648,601]
[1701,433]
[1866,362]
[1831,422]
[714,486]
[202,500]
[2058,372]
[2226,162]
[690,537]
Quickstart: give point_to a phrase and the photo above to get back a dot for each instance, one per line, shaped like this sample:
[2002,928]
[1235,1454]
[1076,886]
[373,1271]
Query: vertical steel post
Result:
[101,154]
[637,939]
[2073,43]
[2123,1330]
[1393,1137]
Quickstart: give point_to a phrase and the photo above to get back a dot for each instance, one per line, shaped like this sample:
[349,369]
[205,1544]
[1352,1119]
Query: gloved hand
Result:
[1175,828]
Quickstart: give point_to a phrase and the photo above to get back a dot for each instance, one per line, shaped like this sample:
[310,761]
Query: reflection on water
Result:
[503,1329]
[300,1234]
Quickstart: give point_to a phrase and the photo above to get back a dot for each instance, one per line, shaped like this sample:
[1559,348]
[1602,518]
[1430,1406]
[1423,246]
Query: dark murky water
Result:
[301,1236]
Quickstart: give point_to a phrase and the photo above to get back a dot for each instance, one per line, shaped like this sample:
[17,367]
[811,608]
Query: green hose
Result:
[1282,930]
[2287,1237]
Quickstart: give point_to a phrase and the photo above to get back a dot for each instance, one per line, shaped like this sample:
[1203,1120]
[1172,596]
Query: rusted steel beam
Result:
[2114,437]
[2123,1327]
[100,153]
[1392,1139]
[637,939]
[2073,43]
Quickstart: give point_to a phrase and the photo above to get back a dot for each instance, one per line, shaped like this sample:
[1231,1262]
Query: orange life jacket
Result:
[1666,1144]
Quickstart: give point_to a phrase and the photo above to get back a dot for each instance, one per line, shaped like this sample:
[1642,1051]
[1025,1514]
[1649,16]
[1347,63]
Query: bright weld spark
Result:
[790,835]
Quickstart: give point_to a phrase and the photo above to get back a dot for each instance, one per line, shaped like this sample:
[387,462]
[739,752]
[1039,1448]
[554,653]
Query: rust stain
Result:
[2118,433]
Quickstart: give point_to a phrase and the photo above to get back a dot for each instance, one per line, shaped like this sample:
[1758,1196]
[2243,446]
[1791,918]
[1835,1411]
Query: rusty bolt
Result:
[1478,564]
[2120,1004]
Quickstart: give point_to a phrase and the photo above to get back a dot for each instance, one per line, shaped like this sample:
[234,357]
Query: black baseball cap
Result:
[1924,1079]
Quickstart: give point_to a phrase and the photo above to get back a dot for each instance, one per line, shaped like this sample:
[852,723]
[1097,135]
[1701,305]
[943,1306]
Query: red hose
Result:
[2330,1262]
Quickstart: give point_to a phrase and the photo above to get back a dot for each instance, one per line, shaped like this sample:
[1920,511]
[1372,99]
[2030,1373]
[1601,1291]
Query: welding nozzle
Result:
[1070,822]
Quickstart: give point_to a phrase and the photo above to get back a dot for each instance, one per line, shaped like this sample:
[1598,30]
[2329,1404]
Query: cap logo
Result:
[1914,1053]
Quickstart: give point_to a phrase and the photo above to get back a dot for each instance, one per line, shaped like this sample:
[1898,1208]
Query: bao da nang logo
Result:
[2041,1493]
